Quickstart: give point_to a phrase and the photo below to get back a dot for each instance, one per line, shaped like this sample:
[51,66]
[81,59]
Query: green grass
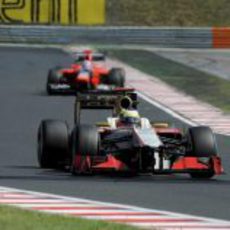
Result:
[203,86]
[168,12]
[18,219]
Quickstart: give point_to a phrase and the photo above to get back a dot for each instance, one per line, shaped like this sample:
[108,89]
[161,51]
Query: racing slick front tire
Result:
[116,77]
[85,142]
[53,144]
[202,145]
[52,78]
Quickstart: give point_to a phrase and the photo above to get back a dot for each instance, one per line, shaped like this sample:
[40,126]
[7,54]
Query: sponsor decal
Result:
[64,12]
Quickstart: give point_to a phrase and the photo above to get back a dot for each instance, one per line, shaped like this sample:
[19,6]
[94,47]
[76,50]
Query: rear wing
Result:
[82,56]
[115,100]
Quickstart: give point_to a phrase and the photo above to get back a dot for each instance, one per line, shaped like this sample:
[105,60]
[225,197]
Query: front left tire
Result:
[53,143]
[53,78]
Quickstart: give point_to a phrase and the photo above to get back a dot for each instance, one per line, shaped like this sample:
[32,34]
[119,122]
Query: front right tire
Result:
[116,77]
[202,144]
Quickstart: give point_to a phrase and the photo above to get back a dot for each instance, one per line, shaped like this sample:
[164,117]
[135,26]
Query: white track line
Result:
[90,209]
[167,99]
[177,104]
[167,110]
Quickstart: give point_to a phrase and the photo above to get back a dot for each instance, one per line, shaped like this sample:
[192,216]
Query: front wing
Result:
[185,164]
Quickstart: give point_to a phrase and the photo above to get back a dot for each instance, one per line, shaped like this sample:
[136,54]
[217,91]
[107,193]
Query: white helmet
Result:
[87,65]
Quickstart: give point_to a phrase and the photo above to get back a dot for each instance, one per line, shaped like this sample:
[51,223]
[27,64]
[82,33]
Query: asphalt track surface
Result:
[23,103]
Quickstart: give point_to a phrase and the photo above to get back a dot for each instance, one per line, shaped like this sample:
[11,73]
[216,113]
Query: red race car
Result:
[87,73]
[126,143]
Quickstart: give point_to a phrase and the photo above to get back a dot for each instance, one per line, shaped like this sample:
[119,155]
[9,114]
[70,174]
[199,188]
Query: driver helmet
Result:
[87,65]
[129,116]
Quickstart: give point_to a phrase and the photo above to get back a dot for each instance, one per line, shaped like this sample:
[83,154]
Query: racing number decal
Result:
[52,11]
[38,11]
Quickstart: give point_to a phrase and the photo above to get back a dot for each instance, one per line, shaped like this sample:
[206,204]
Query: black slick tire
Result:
[53,143]
[202,144]
[85,142]
[116,77]
[52,78]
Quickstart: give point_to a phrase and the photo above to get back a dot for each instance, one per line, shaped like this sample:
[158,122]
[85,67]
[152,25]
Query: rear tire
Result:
[116,77]
[85,142]
[53,144]
[202,145]
[53,78]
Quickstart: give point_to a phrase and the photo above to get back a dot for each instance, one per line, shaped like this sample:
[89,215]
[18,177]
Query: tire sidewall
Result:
[84,142]
[202,142]
[53,143]
[116,77]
